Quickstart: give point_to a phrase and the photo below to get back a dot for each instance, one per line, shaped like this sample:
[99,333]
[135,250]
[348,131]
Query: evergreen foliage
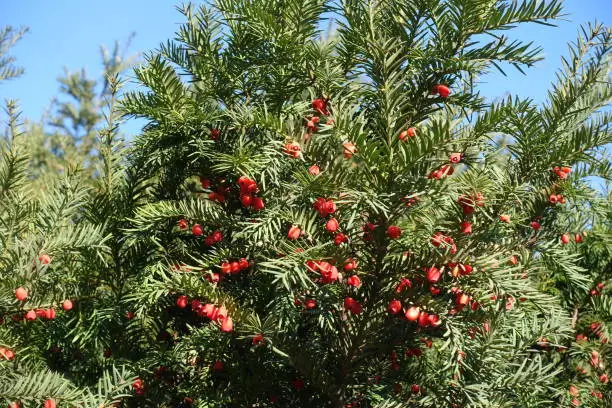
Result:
[294,198]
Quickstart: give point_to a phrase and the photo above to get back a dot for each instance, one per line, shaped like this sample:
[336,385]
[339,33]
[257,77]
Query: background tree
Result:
[8,37]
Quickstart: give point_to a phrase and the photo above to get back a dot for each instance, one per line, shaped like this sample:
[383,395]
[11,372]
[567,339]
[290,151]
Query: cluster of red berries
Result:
[48,314]
[556,199]
[213,238]
[407,134]
[292,149]
[566,238]
[348,149]
[210,311]
[221,192]
[440,239]
[138,386]
[562,172]
[457,269]
[329,273]
[6,353]
[421,317]
[596,291]
[248,189]
[444,171]
[469,204]
[234,267]
[49,403]
[352,305]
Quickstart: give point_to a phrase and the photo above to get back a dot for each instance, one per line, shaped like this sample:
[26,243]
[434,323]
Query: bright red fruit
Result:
[349,150]
[31,315]
[181,302]
[395,306]
[320,105]
[44,259]
[197,230]
[352,305]
[466,227]
[350,265]
[455,158]
[294,232]
[314,170]
[504,218]
[50,403]
[565,239]
[182,224]
[394,232]
[354,281]
[578,238]
[21,294]
[310,304]
[258,204]
[67,305]
[443,91]
[433,274]
[535,225]
[332,225]
[412,313]
[227,325]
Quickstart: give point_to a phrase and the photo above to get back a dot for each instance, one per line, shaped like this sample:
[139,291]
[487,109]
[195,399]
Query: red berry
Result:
[349,149]
[217,366]
[314,170]
[504,218]
[332,225]
[578,238]
[182,224]
[412,313]
[50,403]
[535,225]
[227,325]
[565,239]
[31,315]
[320,105]
[395,306]
[67,304]
[455,158]
[350,265]
[215,133]
[466,227]
[443,91]
[354,281]
[258,204]
[433,274]
[294,232]
[197,230]
[394,232]
[21,294]
[181,302]
[352,305]
[226,268]
[340,238]
[310,304]
[44,259]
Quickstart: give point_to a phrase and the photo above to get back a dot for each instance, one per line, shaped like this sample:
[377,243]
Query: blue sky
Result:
[67,33]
